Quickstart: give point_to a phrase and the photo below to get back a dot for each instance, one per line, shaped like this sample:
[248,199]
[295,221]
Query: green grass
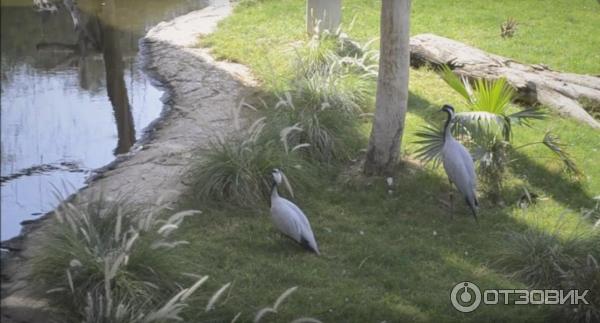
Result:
[396,256]
[560,35]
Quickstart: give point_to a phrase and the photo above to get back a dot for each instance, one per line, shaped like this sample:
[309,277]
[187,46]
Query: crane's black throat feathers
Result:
[448,109]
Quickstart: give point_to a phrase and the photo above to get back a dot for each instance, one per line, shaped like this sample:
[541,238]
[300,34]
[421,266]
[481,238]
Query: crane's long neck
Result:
[447,132]
[274,193]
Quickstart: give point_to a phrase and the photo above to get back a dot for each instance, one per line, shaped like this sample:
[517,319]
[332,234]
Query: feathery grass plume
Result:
[273,309]
[327,135]
[100,264]
[173,307]
[276,307]
[334,84]
[213,300]
[236,317]
[284,136]
[327,46]
[345,91]
[306,320]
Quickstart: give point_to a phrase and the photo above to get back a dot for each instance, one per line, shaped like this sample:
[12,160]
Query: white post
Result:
[323,15]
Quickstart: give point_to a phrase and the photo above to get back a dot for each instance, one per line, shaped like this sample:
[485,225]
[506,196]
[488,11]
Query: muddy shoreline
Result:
[200,94]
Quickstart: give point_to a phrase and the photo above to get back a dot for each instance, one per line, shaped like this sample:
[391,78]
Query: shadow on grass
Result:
[569,193]
[424,109]
[389,253]
[386,256]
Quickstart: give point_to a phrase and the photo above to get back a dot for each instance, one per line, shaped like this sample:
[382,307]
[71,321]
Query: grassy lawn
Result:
[394,256]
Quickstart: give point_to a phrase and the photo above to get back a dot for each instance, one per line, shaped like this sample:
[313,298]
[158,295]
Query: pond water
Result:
[73,94]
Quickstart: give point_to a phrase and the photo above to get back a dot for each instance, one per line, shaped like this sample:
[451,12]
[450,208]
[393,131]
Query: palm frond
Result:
[524,116]
[553,143]
[454,82]
[480,119]
[431,141]
[492,95]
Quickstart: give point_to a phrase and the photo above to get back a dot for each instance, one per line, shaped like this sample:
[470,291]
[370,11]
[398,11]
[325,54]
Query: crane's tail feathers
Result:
[473,206]
[307,245]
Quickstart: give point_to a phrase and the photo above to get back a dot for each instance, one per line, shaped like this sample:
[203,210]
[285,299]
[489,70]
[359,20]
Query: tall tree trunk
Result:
[324,14]
[392,88]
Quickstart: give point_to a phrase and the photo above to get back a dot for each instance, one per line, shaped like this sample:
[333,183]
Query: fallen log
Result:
[567,93]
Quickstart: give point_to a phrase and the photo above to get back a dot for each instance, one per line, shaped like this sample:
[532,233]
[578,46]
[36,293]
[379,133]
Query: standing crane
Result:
[459,166]
[289,219]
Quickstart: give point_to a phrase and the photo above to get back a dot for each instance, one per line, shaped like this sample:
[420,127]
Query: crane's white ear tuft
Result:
[276,176]
[287,184]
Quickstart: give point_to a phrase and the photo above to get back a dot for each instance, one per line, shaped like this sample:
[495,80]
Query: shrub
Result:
[334,70]
[315,120]
[330,135]
[237,170]
[108,262]
[333,85]
[326,48]
[548,261]
[582,274]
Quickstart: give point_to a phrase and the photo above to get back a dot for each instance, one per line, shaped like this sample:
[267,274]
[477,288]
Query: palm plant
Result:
[488,127]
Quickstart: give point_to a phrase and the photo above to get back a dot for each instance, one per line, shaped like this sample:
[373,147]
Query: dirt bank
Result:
[200,95]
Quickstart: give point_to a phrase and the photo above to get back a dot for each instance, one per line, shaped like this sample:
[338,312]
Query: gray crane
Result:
[458,165]
[289,219]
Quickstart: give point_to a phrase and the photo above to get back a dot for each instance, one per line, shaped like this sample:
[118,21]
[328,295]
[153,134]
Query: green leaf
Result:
[492,96]
[480,124]
[553,143]
[455,83]
[524,116]
[431,141]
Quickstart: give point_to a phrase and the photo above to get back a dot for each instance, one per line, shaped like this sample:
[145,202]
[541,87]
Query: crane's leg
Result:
[451,205]
[472,207]
[451,202]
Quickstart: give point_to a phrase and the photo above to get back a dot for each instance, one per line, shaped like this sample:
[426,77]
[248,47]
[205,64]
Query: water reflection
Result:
[73,94]
[113,64]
